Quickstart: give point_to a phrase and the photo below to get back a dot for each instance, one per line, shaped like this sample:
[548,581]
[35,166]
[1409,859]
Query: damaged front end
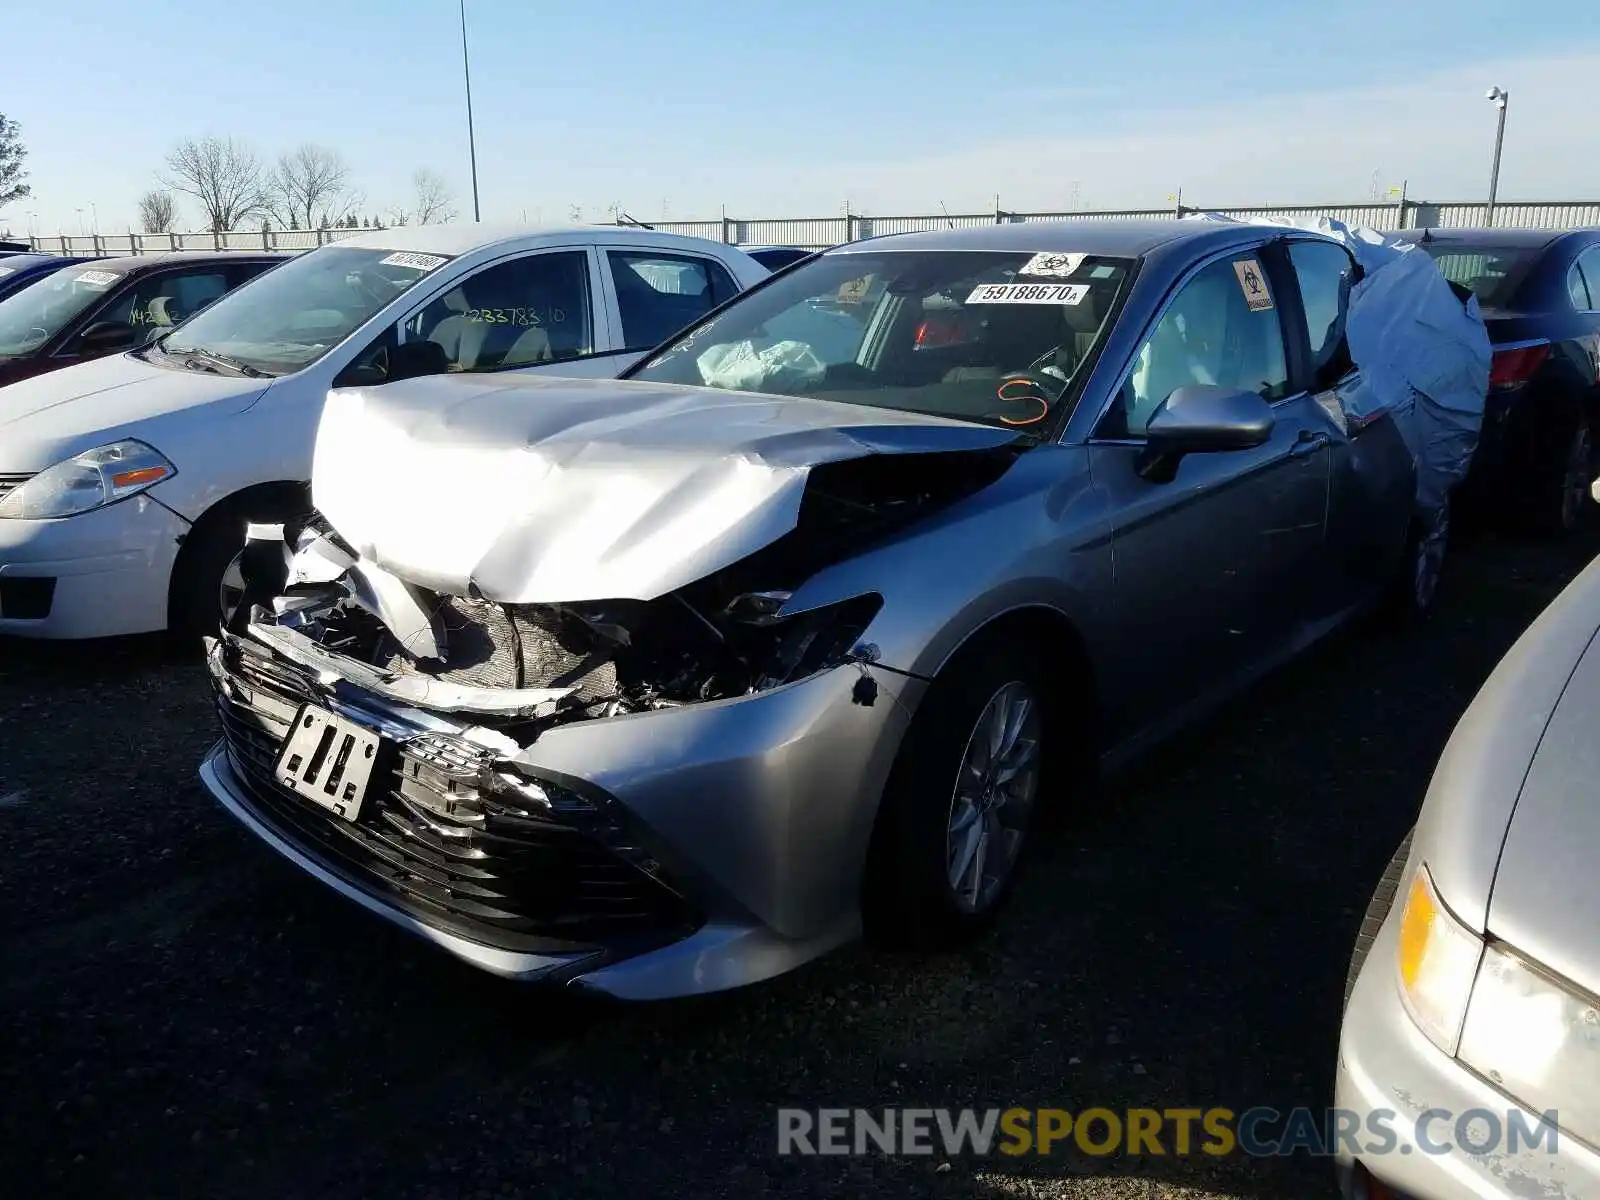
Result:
[390,732]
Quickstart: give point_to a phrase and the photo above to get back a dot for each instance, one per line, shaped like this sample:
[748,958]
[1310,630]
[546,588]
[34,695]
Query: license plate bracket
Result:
[328,759]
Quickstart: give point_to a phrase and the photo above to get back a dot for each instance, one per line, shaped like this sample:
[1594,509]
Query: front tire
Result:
[953,828]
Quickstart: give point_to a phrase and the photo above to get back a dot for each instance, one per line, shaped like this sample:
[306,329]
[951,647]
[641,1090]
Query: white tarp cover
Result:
[1422,353]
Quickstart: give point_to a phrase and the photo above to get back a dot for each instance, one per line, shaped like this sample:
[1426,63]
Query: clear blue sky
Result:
[793,109]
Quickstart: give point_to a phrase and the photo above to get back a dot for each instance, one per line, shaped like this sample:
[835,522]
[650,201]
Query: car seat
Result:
[457,336]
[159,310]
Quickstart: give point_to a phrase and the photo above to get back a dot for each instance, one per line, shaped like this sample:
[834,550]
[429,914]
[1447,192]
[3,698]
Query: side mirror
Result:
[1200,419]
[408,360]
[105,337]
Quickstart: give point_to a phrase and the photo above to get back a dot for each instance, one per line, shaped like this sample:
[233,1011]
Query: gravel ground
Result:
[184,1014]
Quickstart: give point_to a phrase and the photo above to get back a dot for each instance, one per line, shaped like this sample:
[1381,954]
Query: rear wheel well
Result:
[275,501]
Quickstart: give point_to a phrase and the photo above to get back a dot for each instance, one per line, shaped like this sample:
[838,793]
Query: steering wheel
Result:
[1031,395]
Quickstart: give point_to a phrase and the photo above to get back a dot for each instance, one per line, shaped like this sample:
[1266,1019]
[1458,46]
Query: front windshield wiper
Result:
[199,354]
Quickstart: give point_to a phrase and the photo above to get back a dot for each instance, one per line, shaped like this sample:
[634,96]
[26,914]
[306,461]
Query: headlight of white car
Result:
[1536,1038]
[88,481]
[1528,1033]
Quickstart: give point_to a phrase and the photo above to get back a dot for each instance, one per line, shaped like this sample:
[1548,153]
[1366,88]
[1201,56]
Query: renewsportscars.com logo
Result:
[1257,1132]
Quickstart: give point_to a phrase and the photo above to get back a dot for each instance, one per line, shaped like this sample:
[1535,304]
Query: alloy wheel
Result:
[994,794]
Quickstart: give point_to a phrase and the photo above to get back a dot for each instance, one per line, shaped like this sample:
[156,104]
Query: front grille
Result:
[10,483]
[489,866]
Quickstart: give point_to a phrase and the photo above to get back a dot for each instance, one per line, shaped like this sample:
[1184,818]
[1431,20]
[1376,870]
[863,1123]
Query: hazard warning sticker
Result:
[1060,265]
[1253,283]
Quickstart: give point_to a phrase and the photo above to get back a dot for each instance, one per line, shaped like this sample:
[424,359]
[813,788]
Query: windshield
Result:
[995,338]
[34,315]
[286,319]
[1482,270]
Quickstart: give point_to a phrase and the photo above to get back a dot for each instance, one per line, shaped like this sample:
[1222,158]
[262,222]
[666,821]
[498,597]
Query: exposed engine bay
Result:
[525,667]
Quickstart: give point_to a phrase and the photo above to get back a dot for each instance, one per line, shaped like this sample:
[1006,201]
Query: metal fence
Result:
[830,231]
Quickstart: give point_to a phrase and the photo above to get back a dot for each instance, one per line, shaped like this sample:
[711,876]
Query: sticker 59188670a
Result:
[1028,293]
[1253,283]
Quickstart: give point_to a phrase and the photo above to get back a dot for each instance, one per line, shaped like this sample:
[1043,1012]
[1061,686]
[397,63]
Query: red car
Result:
[113,305]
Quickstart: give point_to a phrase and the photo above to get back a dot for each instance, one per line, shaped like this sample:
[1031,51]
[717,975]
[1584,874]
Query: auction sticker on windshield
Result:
[405,258]
[1028,293]
[95,278]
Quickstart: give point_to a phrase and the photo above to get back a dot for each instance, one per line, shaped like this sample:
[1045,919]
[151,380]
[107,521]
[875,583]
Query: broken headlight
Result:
[808,642]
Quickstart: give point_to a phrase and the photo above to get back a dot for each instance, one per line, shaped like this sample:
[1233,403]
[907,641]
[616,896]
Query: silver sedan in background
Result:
[669,684]
[1471,1013]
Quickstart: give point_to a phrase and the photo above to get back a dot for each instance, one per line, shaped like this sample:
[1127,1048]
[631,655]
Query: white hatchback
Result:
[125,483]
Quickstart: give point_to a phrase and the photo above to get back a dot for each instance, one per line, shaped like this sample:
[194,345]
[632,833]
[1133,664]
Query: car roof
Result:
[1118,238]
[1531,238]
[135,264]
[466,237]
[25,262]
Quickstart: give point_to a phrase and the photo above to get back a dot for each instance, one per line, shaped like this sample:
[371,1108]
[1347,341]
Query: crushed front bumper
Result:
[684,850]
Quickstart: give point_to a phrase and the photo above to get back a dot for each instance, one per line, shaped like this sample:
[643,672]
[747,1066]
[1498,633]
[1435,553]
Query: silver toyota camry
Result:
[668,684]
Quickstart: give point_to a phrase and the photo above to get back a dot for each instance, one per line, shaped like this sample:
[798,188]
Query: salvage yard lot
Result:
[185,1014]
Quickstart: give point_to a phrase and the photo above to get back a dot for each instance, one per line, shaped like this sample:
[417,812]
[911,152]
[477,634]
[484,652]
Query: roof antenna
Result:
[1427,235]
[631,220]
[948,219]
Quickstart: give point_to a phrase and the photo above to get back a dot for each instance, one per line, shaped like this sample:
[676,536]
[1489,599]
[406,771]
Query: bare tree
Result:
[225,176]
[310,189]
[434,204]
[12,152]
[158,211]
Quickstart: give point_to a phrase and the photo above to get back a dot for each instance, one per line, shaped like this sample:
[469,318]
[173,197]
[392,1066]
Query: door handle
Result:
[1309,444]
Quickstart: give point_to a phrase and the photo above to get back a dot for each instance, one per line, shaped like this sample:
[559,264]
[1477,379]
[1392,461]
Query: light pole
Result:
[1500,98]
[472,145]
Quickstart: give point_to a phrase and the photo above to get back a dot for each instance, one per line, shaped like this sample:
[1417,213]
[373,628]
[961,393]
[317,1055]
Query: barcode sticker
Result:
[1028,293]
[406,258]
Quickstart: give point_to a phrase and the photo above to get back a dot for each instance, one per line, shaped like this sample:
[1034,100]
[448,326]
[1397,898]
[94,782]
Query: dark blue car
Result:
[17,271]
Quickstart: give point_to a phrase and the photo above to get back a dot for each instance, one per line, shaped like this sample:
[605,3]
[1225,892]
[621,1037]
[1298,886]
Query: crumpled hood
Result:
[56,415]
[526,490]
[1546,896]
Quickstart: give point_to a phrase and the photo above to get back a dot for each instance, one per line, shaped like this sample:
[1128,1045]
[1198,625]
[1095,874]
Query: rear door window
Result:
[1587,269]
[658,294]
[1326,273]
